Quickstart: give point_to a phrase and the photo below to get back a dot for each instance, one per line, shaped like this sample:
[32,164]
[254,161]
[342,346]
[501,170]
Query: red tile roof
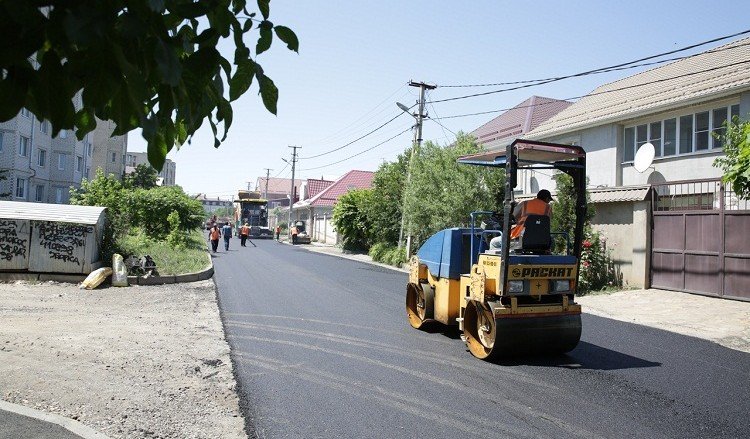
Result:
[519,120]
[351,180]
[315,186]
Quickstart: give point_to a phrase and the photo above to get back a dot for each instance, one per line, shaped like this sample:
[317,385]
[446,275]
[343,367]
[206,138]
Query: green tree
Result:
[152,64]
[384,210]
[106,191]
[563,209]
[144,177]
[149,209]
[350,219]
[736,161]
[442,193]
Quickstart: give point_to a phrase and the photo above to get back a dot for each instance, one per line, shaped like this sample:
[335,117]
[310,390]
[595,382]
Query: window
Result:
[61,162]
[1,141]
[114,157]
[88,172]
[654,136]
[44,126]
[688,134]
[88,149]
[63,134]
[23,146]
[58,195]
[701,131]
[39,193]
[20,188]
[25,112]
[79,164]
[42,158]
[670,137]
[719,117]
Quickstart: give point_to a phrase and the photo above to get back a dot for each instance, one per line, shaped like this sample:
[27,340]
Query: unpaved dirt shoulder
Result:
[148,361]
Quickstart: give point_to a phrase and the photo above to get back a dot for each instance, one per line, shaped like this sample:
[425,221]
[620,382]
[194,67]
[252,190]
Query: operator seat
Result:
[536,237]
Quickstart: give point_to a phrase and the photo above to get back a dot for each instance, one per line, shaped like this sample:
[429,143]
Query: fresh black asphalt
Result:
[322,348]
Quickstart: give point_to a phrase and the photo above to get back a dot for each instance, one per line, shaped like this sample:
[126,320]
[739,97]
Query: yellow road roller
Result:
[508,296]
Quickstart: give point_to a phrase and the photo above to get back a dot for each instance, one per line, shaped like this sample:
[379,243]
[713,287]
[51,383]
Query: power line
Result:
[353,141]
[282,170]
[357,154]
[655,81]
[590,72]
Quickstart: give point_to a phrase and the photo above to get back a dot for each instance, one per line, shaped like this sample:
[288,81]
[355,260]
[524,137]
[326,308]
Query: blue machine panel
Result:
[446,253]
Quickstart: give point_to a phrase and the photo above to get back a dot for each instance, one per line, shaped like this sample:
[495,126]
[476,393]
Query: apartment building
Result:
[42,169]
[167,174]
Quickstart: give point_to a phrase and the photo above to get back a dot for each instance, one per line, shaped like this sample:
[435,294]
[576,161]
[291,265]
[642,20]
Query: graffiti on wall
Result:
[13,243]
[62,241]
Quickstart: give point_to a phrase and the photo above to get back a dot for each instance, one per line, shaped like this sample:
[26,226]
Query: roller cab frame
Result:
[511,301]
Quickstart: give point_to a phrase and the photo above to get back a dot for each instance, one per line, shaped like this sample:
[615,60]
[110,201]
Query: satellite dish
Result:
[644,157]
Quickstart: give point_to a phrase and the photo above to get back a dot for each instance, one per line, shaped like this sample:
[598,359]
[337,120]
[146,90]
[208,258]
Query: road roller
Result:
[509,297]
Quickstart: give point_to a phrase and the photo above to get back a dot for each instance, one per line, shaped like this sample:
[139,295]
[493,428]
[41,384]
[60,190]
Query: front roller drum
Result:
[419,304]
[488,338]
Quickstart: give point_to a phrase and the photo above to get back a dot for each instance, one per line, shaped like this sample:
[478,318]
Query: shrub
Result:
[150,209]
[596,269]
[176,237]
[350,219]
[378,251]
[387,254]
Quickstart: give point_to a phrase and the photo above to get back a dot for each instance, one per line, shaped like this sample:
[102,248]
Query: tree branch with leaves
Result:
[150,64]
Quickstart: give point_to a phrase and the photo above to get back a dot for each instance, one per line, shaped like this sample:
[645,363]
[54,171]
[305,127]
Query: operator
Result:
[536,206]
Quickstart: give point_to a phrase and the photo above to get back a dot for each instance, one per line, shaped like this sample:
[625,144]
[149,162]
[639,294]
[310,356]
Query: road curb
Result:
[173,279]
[352,258]
[71,425]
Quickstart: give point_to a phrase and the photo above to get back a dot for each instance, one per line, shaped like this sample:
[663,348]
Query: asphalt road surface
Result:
[322,348]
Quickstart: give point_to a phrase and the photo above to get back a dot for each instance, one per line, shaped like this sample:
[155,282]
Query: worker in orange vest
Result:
[293,232]
[244,233]
[214,236]
[536,206]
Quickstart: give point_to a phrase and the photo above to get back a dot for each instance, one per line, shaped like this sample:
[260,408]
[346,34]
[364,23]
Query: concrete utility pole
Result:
[419,116]
[291,196]
[268,172]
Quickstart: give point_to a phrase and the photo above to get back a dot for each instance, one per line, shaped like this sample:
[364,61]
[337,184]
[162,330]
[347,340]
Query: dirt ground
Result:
[141,361]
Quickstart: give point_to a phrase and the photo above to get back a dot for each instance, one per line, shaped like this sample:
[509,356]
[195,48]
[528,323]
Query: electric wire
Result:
[594,71]
[282,169]
[655,81]
[357,154]
[353,141]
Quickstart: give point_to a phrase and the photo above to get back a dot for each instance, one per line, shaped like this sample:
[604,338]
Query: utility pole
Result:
[268,172]
[248,186]
[291,196]
[416,144]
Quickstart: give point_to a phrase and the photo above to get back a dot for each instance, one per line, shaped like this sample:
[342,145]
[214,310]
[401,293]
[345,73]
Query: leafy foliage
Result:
[350,219]
[736,162]
[151,64]
[143,176]
[564,209]
[150,209]
[596,270]
[177,237]
[388,254]
[384,210]
[443,193]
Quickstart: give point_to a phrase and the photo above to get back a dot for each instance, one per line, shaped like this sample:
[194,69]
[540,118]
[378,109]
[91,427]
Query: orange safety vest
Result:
[530,207]
[293,230]
[214,234]
[245,230]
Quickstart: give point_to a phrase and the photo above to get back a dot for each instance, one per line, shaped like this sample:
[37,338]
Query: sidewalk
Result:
[726,322]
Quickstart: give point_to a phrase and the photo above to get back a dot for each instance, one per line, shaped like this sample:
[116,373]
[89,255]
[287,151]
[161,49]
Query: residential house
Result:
[674,225]
[211,204]
[317,209]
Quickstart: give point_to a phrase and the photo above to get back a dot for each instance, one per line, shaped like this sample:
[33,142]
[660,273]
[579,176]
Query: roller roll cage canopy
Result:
[530,154]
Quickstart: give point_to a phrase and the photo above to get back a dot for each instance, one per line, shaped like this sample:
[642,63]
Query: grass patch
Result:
[169,260]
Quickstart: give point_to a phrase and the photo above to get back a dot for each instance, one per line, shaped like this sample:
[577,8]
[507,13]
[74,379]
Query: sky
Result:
[356,58]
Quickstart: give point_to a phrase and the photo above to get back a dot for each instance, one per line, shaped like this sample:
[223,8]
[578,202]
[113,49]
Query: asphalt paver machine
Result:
[515,299]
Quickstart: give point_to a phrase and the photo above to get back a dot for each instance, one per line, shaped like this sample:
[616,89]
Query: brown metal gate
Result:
[700,240]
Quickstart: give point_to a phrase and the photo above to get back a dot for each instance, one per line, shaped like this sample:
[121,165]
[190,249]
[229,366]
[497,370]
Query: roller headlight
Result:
[515,286]
[560,286]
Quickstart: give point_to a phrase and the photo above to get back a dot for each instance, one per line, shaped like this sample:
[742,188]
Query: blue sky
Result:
[356,58]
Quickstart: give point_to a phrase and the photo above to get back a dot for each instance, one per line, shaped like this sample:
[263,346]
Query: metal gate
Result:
[700,239]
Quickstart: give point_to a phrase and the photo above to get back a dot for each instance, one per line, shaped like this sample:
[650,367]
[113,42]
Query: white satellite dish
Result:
[644,157]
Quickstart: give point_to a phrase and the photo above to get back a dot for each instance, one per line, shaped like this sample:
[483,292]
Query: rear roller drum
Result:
[419,304]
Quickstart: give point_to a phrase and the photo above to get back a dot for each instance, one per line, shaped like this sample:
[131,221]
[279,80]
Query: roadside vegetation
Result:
[441,194]
[143,218]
